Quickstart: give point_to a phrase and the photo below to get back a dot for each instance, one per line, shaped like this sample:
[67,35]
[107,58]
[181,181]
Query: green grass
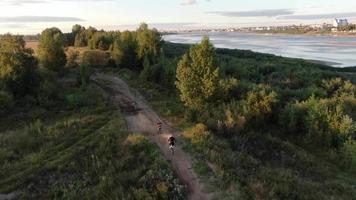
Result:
[256,165]
[82,149]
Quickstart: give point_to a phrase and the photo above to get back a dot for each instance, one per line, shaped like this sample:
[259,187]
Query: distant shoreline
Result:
[336,34]
[333,34]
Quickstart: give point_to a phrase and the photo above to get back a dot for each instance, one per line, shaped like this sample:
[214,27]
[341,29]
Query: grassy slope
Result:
[81,150]
[259,165]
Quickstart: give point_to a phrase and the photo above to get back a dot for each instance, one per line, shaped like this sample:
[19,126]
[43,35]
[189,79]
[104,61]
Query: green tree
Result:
[100,40]
[80,39]
[124,51]
[77,28]
[17,66]
[51,49]
[198,76]
[149,43]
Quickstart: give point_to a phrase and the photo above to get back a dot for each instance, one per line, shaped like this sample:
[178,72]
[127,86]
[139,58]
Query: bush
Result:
[259,103]
[83,75]
[49,90]
[72,59]
[95,58]
[6,100]
[198,135]
[153,73]
[339,87]
[322,122]
[77,99]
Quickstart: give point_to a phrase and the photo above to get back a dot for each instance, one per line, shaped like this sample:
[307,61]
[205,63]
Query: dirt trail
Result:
[142,119]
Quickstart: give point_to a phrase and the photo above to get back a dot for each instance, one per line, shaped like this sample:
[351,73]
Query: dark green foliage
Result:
[149,43]
[259,103]
[248,154]
[101,41]
[72,59]
[17,66]
[78,99]
[86,153]
[323,123]
[198,76]
[82,35]
[153,73]
[83,75]
[51,50]
[95,58]
[48,91]
[124,51]
[6,101]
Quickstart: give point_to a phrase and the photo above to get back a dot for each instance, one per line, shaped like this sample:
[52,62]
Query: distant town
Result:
[338,26]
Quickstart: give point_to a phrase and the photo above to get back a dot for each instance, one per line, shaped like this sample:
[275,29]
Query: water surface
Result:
[337,50]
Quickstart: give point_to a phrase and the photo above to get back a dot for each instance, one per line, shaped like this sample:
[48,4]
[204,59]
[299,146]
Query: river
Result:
[338,51]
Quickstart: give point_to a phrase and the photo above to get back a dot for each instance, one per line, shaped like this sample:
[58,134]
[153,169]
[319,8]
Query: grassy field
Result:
[261,163]
[80,148]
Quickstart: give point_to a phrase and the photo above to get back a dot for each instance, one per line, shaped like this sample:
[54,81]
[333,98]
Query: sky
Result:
[32,16]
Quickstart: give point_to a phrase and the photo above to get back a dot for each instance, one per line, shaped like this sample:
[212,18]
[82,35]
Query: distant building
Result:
[340,23]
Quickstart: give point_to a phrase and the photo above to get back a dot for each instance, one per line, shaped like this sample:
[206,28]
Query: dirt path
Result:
[142,119]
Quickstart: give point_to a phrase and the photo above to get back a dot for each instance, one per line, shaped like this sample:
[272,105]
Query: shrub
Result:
[77,99]
[321,121]
[72,59]
[6,100]
[83,75]
[153,73]
[339,87]
[95,58]
[198,135]
[48,91]
[259,103]
[232,123]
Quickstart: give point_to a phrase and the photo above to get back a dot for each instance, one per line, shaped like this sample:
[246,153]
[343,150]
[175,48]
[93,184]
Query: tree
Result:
[17,66]
[124,51]
[51,49]
[77,28]
[198,76]
[149,43]
[100,40]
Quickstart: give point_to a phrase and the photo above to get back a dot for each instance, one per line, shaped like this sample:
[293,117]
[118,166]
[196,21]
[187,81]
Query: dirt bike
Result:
[171,147]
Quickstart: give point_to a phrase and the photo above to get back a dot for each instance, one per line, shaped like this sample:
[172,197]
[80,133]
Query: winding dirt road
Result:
[141,118]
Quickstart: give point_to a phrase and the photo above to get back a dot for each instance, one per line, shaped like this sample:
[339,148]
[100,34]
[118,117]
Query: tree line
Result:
[23,74]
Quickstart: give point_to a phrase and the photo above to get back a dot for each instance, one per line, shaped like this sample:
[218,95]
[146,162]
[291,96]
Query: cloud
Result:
[23,2]
[320,16]
[34,19]
[188,2]
[13,26]
[254,13]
